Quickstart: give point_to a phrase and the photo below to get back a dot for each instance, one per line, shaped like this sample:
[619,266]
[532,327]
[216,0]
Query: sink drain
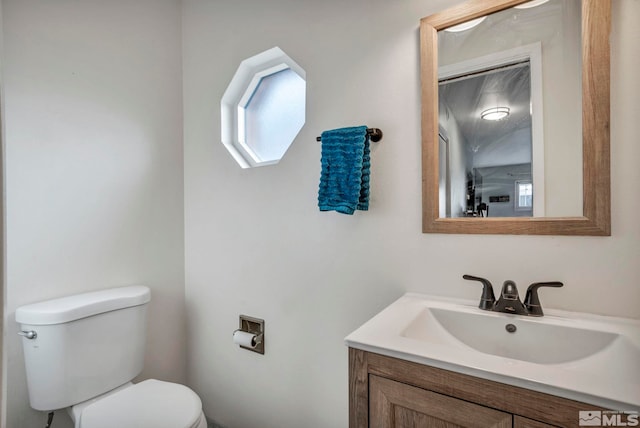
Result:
[510,328]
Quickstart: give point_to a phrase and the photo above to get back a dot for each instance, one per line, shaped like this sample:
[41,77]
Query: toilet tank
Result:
[86,344]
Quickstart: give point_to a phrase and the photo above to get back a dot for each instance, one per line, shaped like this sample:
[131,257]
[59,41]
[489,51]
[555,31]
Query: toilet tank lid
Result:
[70,308]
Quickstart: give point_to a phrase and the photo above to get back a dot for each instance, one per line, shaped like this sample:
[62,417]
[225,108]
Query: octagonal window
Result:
[263,109]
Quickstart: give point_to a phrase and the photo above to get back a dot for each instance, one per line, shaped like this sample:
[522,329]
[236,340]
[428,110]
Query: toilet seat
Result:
[151,403]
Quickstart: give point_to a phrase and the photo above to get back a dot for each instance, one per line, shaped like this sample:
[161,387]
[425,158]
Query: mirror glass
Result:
[510,113]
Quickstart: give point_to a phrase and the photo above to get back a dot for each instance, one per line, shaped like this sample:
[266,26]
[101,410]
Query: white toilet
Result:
[81,353]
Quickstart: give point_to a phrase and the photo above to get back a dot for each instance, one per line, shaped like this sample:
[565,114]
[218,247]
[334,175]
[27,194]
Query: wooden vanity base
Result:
[388,392]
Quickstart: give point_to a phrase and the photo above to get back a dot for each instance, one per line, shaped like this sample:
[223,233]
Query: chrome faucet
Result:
[509,301]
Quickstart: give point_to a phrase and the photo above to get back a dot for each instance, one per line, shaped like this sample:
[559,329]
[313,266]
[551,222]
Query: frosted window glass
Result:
[274,113]
[263,108]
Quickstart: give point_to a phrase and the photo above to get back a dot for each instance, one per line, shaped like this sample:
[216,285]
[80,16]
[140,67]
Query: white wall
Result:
[257,245]
[94,167]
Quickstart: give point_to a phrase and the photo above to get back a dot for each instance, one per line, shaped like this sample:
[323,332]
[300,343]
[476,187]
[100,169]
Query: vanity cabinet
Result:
[386,392]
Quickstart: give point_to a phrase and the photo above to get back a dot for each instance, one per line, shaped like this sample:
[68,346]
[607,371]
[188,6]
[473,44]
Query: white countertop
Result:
[609,378]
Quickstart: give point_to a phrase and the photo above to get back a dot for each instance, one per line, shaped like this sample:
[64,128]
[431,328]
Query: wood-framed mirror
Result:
[595,218]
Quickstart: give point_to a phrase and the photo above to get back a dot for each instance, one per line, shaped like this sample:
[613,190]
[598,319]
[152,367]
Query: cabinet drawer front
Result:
[394,405]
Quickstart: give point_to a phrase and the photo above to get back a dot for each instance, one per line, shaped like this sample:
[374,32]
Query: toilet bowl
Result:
[149,404]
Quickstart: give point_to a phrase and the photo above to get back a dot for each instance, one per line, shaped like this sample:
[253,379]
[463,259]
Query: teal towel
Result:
[346,162]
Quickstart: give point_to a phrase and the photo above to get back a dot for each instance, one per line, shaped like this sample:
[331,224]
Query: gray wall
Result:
[501,181]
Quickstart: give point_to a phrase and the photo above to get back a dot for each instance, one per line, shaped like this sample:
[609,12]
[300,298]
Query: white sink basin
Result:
[577,356]
[533,341]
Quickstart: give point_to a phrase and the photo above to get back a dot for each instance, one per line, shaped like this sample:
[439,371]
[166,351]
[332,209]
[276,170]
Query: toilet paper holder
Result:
[253,326]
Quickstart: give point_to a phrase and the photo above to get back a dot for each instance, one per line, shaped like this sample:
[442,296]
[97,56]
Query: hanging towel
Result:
[346,162]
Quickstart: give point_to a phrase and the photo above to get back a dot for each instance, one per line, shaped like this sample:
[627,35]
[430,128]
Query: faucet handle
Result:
[488,299]
[532,301]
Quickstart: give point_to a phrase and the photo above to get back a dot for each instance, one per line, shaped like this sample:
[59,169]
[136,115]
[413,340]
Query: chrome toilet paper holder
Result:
[253,326]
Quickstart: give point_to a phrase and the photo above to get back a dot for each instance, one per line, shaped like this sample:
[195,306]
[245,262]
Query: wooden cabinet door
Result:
[397,405]
[520,422]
